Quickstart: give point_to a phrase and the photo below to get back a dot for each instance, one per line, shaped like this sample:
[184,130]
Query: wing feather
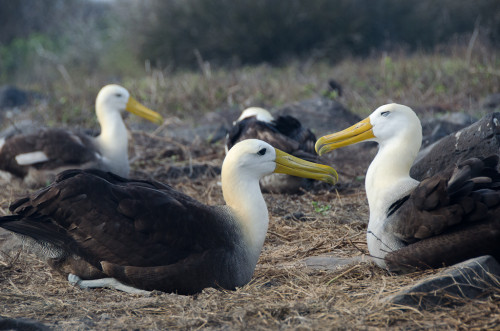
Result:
[464,193]
[449,216]
[126,222]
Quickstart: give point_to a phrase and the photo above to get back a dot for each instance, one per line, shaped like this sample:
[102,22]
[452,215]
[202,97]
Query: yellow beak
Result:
[291,165]
[138,109]
[354,134]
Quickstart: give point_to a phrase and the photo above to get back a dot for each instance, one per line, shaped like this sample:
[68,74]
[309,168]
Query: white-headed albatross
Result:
[286,133]
[447,218]
[106,230]
[37,157]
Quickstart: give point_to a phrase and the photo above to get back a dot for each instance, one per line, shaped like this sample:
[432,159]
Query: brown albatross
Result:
[284,132]
[36,158]
[447,218]
[105,230]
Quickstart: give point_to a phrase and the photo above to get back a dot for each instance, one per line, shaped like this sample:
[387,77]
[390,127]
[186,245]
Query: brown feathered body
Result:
[449,217]
[63,150]
[143,233]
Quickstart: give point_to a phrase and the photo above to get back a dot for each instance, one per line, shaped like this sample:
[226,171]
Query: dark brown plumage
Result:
[62,147]
[126,229]
[285,133]
[449,217]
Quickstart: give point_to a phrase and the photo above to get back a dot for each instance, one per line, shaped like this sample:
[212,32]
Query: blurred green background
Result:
[41,40]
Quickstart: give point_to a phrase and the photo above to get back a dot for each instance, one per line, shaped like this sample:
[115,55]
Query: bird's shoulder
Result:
[463,194]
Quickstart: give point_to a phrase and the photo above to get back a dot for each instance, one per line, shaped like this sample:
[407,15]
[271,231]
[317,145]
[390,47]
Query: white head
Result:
[394,121]
[112,99]
[388,124]
[112,142]
[247,162]
[251,159]
[260,114]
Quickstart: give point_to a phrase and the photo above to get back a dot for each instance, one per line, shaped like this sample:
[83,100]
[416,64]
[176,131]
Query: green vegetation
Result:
[321,208]
[41,40]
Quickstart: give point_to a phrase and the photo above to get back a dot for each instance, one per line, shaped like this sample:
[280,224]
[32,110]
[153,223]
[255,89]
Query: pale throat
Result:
[388,177]
[113,140]
[243,196]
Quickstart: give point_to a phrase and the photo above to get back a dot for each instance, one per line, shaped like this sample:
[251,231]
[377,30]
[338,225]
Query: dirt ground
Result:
[283,294]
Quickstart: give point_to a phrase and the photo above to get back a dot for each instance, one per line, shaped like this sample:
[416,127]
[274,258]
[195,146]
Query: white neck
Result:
[389,171]
[243,196]
[113,140]
[387,180]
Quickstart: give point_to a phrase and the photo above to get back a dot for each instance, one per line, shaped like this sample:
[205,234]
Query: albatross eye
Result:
[262,151]
[119,95]
[385,113]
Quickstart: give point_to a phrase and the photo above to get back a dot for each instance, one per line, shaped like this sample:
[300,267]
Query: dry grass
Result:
[283,293]
[455,78]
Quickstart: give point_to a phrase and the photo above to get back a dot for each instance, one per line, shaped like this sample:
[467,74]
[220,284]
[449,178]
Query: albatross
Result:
[284,132]
[36,158]
[447,218]
[133,235]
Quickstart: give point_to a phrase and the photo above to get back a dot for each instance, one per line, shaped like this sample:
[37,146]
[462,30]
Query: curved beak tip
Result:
[294,166]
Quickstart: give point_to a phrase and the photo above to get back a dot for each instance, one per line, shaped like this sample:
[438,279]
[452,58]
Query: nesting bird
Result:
[35,158]
[134,235]
[447,218]
[285,133]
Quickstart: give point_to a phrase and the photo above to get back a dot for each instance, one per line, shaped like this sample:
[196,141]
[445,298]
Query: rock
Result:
[331,262]
[334,86]
[11,97]
[21,324]
[480,139]
[321,115]
[21,127]
[434,129]
[492,102]
[472,279]
[212,127]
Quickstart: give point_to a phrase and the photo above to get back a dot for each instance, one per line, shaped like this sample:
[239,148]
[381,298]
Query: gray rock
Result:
[21,127]
[321,115]
[11,96]
[492,102]
[480,139]
[472,279]
[21,324]
[434,128]
[331,262]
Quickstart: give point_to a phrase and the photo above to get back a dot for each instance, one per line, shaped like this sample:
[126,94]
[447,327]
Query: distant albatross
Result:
[286,133]
[105,230]
[447,218]
[35,158]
